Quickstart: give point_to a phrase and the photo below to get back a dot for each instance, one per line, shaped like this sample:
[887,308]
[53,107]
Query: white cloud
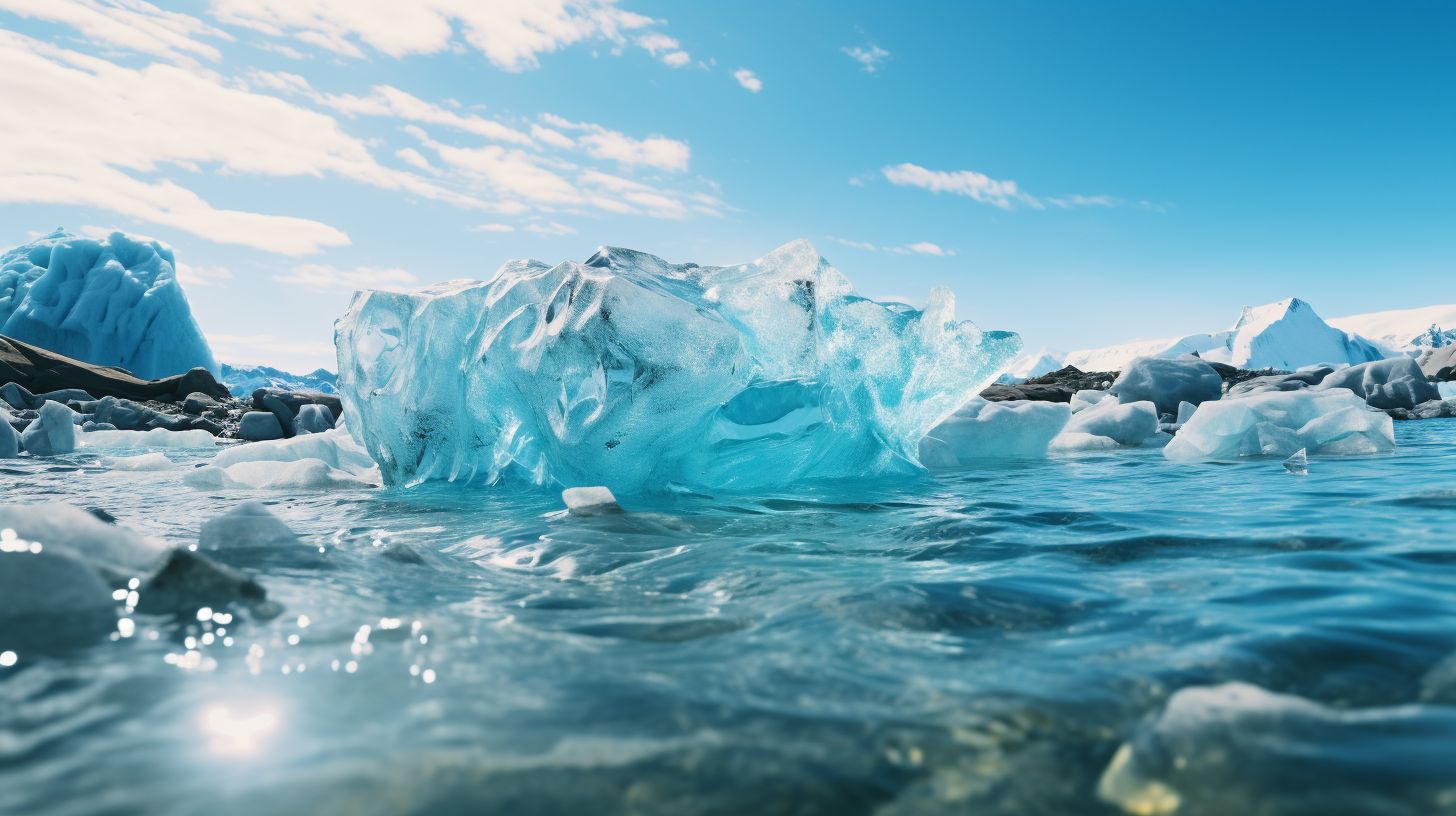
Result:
[189,275]
[1068,202]
[551,229]
[493,228]
[927,248]
[56,151]
[279,48]
[555,138]
[869,58]
[658,43]
[746,78]
[510,34]
[676,59]
[601,143]
[413,158]
[856,244]
[324,278]
[131,24]
[244,349]
[1003,194]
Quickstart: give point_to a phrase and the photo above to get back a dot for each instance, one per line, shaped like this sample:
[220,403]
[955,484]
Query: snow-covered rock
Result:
[993,430]
[1278,423]
[113,302]
[52,433]
[1393,383]
[1284,335]
[633,373]
[1404,330]
[1128,424]
[1167,382]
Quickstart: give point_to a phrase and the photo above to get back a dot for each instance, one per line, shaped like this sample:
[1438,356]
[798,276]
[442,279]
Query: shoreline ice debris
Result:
[1278,423]
[636,374]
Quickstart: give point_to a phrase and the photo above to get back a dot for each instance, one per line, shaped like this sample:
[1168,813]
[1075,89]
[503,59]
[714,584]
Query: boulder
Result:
[52,433]
[258,426]
[248,535]
[1439,363]
[1393,383]
[276,407]
[1167,382]
[122,413]
[293,400]
[198,403]
[18,397]
[188,581]
[37,371]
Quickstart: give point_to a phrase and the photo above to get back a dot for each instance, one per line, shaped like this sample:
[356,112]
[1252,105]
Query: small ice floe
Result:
[51,433]
[331,460]
[146,462]
[590,501]
[987,430]
[1298,464]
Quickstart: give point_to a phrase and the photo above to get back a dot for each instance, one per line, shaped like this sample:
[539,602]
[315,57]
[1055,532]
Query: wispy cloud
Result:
[856,244]
[920,248]
[325,278]
[493,228]
[550,229]
[1003,194]
[747,79]
[602,143]
[868,58]
[189,275]
[658,43]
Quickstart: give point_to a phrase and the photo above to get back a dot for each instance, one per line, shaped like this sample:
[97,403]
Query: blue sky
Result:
[1082,173]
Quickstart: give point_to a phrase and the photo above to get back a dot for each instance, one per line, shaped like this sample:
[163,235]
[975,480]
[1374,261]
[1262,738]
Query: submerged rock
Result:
[188,581]
[50,600]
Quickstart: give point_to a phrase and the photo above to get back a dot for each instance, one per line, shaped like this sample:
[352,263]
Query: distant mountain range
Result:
[242,382]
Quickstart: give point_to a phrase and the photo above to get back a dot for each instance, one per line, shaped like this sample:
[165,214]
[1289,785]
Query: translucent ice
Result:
[633,373]
[146,462]
[1127,425]
[987,430]
[113,302]
[1082,400]
[1278,423]
[52,433]
[590,501]
[155,438]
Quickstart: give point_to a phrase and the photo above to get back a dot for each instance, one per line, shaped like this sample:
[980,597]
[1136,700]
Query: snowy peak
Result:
[1404,330]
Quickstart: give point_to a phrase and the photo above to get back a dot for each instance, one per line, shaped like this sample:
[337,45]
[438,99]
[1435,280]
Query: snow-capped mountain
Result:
[1284,335]
[1033,365]
[1404,330]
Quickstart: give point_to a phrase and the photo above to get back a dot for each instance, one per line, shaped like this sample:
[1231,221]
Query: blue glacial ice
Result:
[636,374]
[112,302]
[1279,423]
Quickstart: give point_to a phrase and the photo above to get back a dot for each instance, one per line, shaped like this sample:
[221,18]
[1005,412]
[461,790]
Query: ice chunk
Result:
[1394,383]
[1167,382]
[1013,428]
[113,549]
[1075,441]
[9,439]
[155,438]
[302,474]
[1298,463]
[633,373]
[249,536]
[1082,400]
[1304,378]
[935,454]
[590,501]
[1237,748]
[52,433]
[146,462]
[1280,423]
[312,419]
[112,302]
[51,599]
[1126,424]
[1447,390]
[1185,412]
[335,448]
[260,426]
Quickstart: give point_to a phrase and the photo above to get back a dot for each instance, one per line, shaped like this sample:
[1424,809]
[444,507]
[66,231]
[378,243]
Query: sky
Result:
[1083,173]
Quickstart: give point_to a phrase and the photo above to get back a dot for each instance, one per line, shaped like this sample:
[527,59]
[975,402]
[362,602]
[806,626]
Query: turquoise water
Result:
[981,642]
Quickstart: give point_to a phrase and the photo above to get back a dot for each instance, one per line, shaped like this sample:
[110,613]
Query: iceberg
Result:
[1284,335]
[991,430]
[1129,424]
[635,374]
[113,302]
[1394,383]
[1168,382]
[1279,423]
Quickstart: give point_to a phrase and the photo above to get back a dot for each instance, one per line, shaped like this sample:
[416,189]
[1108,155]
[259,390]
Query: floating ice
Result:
[1129,425]
[1082,400]
[590,501]
[312,419]
[9,439]
[1298,463]
[1236,748]
[633,373]
[1278,423]
[146,462]
[52,433]
[113,549]
[1076,442]
[1167,382]
[113,302]
[331,460]
[1186,410]
[155,438]
[1394,383]
[1010,429]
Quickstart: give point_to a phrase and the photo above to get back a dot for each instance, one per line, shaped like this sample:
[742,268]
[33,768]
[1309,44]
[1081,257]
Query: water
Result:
[984,642]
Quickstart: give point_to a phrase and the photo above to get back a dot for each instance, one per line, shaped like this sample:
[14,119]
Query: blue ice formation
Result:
[632,373]
[113,302]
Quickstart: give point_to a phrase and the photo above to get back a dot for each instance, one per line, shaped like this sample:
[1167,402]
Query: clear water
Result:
[981,643]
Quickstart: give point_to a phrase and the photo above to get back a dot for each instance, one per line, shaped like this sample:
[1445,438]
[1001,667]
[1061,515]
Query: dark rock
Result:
[312,419]
[36,370]
[66,396]
[258,426]
[294,399]
[277,408]
[188,581]
[83,406]
[1433,409]
[1028,391]
[220,412]
[19,397]
[170,422]
[123,413]
[98,426]
[203,424]
[198,403]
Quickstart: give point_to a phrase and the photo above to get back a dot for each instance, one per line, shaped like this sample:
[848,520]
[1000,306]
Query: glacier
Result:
[635,374]
[1404,330]
[1285,335]
[110,302]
